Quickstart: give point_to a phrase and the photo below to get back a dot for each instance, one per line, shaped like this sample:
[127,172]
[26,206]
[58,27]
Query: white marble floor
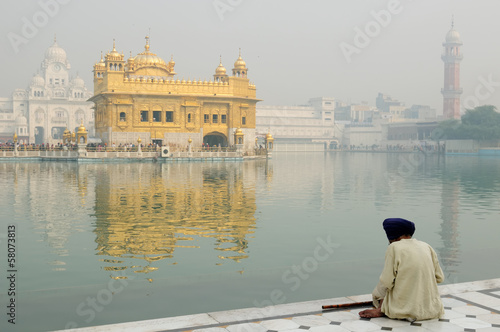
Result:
[472,306]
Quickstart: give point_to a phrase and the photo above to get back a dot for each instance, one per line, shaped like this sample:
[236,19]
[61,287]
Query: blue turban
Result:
[396,227]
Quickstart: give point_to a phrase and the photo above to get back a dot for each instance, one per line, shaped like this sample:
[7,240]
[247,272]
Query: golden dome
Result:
[220,70]
[81,129]
[269,137]
[238,132]
[240,63]
[66,131]
[114,52]
[148,59]
[101,63]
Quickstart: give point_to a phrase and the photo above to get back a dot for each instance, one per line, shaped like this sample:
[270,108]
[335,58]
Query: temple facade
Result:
[141,98]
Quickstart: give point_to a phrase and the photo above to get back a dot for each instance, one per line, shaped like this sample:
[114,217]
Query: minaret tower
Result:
[451,90]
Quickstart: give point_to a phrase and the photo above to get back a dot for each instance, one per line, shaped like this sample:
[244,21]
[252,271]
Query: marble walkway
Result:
[471,306]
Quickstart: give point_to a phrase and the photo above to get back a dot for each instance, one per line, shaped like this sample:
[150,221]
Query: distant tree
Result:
[481,123]
[447,129]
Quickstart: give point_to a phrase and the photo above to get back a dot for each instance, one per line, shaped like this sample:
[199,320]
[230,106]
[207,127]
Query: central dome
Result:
[55,54]
[148,59]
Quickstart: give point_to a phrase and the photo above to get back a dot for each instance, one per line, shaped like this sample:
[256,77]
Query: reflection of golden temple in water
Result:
[146,211]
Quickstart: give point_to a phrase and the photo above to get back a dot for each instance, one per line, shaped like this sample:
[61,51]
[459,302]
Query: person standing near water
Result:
[408,284]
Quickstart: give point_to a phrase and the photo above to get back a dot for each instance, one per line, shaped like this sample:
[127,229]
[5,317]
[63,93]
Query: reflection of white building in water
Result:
[52,102]
[299,124]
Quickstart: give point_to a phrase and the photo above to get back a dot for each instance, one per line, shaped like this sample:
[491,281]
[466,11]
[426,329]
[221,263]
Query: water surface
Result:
[116,242]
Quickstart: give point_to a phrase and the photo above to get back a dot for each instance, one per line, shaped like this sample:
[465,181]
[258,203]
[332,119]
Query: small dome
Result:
[82,129]
[114,52]
[240,63]
[269,137]
[55,54]
[21,121]
[78,82]
[37,80]
[453,37]
[101,63]
[221,70]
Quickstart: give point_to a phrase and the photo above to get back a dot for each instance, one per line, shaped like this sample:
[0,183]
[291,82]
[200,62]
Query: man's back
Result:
[411,273]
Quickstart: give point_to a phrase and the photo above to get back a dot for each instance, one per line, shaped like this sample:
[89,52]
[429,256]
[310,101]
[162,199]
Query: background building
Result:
[139,98]
[310,123]
[52,103]
[452,90]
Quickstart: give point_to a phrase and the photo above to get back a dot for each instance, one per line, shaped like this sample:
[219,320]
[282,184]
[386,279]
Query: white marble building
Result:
[312,123]
[52,102]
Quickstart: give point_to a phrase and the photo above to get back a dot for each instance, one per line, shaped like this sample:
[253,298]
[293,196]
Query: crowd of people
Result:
[9,146]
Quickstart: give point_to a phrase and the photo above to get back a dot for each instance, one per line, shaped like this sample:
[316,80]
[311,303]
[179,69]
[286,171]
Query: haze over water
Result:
[152,240]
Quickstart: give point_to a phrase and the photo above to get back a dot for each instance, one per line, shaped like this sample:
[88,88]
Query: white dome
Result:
[55,54]
[453,37]
[21,121]
[37,80]
[78,82]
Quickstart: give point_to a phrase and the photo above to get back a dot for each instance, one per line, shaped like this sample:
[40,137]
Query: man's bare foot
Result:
[371,313]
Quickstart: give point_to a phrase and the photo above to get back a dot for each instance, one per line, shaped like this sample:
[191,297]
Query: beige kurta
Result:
[408,283]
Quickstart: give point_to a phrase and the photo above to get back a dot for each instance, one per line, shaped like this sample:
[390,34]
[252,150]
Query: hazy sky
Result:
[292,48]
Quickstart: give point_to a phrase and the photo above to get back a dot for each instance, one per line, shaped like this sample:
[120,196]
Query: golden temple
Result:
[140,98]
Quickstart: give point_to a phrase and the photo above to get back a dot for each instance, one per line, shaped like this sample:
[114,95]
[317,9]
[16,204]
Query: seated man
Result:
[408,284]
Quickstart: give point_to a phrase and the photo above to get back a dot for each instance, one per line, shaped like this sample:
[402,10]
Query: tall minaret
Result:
[451,58]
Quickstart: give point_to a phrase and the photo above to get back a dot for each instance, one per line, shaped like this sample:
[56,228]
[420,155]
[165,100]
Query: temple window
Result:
[169,116]
[206,118]
[223,118]
[215,118]
[243,120]
[144,116]
[123,117]
[189,117]
[156,116]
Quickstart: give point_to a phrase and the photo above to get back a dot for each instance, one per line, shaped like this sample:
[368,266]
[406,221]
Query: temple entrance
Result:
[39,132]
[215,139]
